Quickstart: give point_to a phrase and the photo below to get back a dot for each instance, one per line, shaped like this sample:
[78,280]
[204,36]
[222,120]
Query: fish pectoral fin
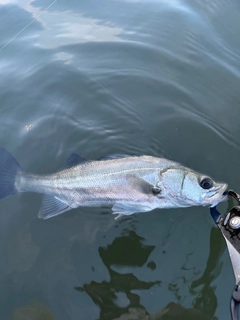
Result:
[52,207]
[125,208]
[140,184]
[143,187]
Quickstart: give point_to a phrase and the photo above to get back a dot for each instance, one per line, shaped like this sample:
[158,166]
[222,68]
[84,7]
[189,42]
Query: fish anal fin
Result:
[126,208]
[52,207]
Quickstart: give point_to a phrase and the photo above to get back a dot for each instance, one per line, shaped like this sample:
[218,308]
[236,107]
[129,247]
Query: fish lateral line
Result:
[119,172]
[122,185]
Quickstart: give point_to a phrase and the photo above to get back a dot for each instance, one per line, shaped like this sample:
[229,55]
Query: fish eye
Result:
[206,183]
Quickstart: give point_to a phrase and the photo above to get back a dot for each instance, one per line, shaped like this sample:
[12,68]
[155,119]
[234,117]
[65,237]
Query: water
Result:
[125,76]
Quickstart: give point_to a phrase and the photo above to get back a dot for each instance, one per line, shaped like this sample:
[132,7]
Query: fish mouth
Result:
[219,194]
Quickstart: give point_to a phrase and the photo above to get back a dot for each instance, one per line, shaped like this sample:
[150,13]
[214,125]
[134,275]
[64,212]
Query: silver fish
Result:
[128,184]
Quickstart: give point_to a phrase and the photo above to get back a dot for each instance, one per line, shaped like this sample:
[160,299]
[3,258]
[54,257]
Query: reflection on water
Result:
[206,299]
[118,299]
[116,296]
[172,311]
[34,311]
[66,27]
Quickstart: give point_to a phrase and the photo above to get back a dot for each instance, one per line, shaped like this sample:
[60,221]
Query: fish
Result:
[127,184]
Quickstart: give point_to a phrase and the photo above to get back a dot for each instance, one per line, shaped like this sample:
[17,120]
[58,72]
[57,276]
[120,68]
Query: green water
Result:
[100,77]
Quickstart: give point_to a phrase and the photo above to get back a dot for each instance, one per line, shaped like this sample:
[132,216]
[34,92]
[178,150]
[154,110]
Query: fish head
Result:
[185,187]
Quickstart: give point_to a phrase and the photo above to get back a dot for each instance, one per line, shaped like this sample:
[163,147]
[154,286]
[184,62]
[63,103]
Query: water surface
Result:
[101,77]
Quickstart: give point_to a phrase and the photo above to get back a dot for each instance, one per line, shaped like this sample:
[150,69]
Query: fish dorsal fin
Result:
[73,160]
[114,156]
[52,207]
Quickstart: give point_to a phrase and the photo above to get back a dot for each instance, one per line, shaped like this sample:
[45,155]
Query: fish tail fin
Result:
[9,168]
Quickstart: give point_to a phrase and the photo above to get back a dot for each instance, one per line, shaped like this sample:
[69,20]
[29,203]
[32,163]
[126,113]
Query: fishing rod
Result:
[229,225]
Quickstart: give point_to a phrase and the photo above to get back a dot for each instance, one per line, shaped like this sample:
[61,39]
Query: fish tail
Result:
[9,167]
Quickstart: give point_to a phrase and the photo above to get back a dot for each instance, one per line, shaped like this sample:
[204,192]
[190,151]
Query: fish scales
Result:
[97,181]
[128,184]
